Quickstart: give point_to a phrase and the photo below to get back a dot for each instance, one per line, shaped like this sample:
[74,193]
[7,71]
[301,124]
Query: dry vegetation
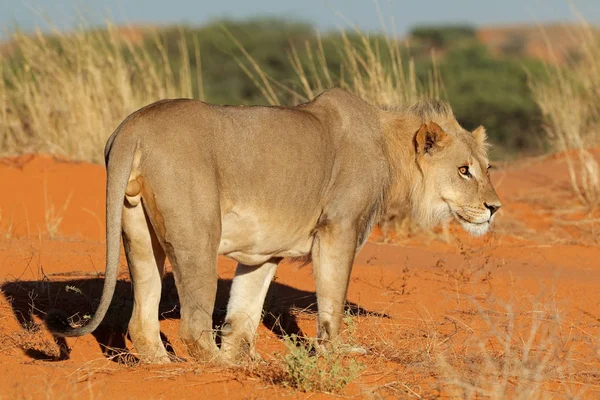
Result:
[67,92]
[570,101]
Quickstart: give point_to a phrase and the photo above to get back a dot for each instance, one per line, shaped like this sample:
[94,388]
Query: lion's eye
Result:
[464,170]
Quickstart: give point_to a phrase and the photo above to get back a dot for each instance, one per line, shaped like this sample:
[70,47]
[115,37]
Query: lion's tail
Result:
[119,163]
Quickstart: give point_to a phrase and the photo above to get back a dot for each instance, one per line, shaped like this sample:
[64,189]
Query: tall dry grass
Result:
[516,355]
[65,93]
[374,69]
[569,97]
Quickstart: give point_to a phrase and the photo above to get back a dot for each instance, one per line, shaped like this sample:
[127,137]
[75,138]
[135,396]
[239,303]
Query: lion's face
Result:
[455,171]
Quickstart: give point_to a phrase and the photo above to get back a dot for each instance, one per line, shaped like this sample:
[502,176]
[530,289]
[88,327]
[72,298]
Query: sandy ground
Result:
[439,314]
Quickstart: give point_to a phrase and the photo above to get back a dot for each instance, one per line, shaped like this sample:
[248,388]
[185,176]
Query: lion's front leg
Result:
[244,309]
[333,256]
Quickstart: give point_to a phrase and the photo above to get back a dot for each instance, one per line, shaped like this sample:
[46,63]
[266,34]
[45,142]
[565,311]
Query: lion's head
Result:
[441,168]
[455,177]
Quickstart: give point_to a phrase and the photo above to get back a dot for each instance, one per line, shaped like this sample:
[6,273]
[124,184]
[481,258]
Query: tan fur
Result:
[259,184]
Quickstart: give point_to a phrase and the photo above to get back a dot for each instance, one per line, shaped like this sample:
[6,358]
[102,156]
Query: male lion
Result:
[189,181]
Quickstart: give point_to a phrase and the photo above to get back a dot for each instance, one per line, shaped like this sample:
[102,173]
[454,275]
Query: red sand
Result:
[418,292]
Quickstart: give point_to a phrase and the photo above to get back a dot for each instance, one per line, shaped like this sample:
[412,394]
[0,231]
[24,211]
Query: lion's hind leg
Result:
[248,292]
[192,248]
[146,259]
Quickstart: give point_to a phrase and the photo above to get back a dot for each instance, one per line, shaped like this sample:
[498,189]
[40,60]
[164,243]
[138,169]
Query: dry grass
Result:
[71,90]
[520,355]
[53,216]
[375,71]
[6,228]
[570,102]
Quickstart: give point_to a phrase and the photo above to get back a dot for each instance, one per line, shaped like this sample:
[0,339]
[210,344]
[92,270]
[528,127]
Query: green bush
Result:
[443,36]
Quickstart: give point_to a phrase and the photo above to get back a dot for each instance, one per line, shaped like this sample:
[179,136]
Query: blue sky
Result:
[324,14]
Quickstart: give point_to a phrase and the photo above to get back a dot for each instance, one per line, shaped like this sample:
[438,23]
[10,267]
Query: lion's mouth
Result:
[461,218]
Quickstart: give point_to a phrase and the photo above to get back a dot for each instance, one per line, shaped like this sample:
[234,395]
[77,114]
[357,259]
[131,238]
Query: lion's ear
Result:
[480,136]
[429,138]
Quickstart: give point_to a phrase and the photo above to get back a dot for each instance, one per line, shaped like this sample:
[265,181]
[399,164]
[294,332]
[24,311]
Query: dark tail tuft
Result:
[58,323]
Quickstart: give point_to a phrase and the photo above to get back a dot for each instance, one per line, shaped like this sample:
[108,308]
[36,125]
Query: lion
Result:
[190,181]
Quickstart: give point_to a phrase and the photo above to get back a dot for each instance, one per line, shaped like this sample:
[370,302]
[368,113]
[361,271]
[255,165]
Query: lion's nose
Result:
[492,207]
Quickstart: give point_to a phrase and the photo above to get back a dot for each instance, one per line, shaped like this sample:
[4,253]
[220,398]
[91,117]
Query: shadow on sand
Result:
[79,298]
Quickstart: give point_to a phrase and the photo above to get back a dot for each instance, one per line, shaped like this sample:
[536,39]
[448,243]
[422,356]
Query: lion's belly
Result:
[253,241]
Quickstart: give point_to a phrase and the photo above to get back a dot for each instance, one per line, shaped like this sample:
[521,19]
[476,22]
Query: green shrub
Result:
[308,371]
[442,36]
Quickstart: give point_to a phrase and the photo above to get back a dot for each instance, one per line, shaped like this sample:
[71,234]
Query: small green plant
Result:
[350,322]
[311,371]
